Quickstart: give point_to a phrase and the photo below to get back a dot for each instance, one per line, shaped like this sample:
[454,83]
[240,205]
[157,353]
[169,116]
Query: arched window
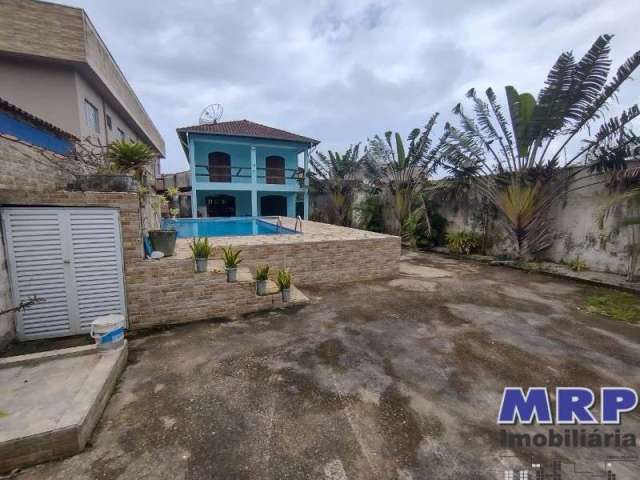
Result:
[219,167]
[275,169]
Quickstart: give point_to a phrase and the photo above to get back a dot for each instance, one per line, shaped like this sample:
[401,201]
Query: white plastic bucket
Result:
[108,332]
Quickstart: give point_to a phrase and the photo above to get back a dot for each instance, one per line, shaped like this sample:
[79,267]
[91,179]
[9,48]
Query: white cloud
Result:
[342,71]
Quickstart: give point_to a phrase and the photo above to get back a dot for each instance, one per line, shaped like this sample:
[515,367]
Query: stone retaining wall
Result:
[168,291]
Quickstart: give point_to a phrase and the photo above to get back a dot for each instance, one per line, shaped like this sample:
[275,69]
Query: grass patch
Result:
[3,414]
[619,305]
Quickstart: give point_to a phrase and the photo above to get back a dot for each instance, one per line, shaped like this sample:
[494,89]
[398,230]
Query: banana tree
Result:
[338,176]
[515,158]
[400,173]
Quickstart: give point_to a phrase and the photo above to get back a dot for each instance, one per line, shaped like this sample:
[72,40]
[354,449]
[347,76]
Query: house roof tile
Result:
[245,128]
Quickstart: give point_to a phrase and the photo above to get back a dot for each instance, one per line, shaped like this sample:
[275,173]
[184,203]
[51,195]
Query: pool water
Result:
[223,227]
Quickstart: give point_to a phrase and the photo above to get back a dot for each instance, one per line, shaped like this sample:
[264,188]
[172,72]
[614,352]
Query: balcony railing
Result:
[273,176]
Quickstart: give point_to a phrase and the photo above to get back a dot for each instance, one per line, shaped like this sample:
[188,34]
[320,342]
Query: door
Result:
[219,167]
[275,169]
[71,258]
[221,206]
[273,206]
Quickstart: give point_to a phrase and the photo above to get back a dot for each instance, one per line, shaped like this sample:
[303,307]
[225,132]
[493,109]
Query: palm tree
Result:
[339,177]
[401,174]
[130,157]
[514,162]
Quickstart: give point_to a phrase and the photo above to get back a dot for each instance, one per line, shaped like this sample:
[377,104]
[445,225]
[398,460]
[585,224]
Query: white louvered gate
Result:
[72,258]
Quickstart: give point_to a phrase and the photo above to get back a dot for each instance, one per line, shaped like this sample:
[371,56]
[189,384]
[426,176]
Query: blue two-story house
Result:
[241,168]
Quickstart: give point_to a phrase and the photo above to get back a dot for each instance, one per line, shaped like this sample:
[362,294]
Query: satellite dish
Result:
[211,114]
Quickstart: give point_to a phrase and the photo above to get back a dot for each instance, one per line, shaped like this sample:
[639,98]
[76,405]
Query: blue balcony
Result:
[263,175]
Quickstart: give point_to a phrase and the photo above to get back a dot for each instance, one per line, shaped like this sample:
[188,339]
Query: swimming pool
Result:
[223,227]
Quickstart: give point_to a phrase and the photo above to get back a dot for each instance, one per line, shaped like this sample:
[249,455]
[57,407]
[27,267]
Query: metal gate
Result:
[69,257]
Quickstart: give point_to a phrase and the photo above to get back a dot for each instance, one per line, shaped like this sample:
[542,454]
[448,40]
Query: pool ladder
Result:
[295,228]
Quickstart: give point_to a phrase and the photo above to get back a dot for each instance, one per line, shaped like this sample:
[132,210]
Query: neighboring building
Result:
[241,168]
[31,160]
[54,65]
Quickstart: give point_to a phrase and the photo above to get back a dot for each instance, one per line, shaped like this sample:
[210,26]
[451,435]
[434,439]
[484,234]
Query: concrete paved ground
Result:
[386,379]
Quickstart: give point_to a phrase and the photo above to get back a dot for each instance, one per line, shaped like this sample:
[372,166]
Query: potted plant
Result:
[163,240]
[284,284]
[201,250]
[231,260]
[172,193]
[174,213]
[262,276]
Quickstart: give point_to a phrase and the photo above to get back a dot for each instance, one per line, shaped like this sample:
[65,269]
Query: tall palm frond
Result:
[338,176]
[401,170]
[498,151]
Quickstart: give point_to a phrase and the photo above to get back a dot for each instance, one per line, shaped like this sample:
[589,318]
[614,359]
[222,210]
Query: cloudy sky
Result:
[341,71]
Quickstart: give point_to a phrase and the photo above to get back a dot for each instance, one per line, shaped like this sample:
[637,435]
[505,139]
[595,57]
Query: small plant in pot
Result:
[231,260]
[262,276]
[201,250]
[284,284]
[172,193]
[174,213]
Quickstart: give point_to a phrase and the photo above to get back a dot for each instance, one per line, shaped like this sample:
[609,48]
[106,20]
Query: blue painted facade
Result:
[254,187]
[40,136]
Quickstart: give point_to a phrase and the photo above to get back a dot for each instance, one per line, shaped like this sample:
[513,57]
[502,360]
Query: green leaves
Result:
[130,156]
[231,257]
[338,176]
[521,109]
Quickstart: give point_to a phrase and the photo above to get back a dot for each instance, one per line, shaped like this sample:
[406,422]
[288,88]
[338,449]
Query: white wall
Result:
[573,221]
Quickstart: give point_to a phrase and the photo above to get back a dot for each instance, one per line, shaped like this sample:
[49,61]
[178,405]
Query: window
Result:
[121,135]
[91,116]
[275,169]
[219,167]
[109,125]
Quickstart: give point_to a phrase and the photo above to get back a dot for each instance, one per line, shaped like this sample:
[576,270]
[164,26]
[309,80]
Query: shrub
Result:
[231,257]
[370,213]
[463,243]
[576,264]
[130,156]
[262,272]
[284,280]
[174,212]
[172,192]
[201,248]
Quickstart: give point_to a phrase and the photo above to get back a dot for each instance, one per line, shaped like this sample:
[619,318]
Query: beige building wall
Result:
[47,91]
[47,35]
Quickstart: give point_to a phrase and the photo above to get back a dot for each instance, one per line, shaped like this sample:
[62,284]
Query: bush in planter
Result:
[201,250]
[464,242]
[284,284]
[262,275]
[130,156]
[231,259]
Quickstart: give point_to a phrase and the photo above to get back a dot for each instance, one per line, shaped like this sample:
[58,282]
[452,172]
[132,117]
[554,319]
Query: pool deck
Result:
[312,232]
